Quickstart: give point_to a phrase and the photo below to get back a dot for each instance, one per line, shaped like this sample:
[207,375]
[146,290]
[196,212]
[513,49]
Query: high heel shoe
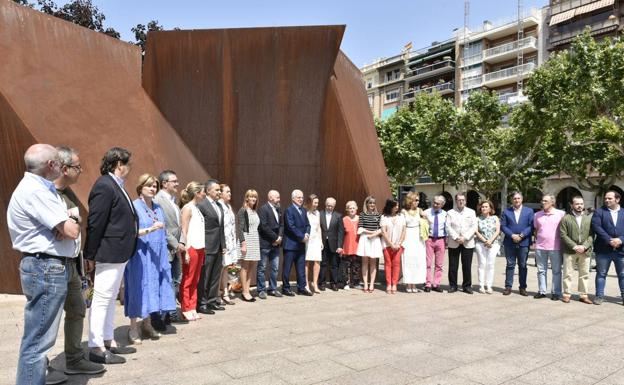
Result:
[252,299]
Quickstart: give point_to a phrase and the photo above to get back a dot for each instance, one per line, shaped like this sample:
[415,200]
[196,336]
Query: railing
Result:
[390,81]
[513,46]
[431,68]
[472,82]
[382,62]
[508,72]
[470,60]
[448,86]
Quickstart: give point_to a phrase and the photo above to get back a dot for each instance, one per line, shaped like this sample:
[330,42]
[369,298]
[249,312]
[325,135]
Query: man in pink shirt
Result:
[548,246]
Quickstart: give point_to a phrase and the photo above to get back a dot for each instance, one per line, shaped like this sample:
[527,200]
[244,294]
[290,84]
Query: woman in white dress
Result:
[369,245]
[230,257]
[414,261]
[247,222]
[314,246]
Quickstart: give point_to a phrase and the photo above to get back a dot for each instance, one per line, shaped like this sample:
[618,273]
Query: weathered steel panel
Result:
[64,84]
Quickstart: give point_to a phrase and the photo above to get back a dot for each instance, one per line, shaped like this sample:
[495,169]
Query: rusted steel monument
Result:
[256,108]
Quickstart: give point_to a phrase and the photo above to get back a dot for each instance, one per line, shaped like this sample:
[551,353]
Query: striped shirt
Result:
[370,221]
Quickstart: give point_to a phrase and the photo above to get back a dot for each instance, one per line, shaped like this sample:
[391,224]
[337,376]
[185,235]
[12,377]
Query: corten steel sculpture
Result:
[269,108]
[64,84]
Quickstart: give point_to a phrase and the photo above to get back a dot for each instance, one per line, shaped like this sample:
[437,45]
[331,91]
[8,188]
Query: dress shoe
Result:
[522,292]
[322,287]
[427,289]
[333,287]
[174,318]
[565,299]
[539,296]
[205,310]
[214,306]
[262,295]
[54,377]
[275,293]
[121,349]
[554,297]
[452,289]
[467,290]
[106,358]
[288,293]
[585,300]
[438,289]
[507,291]
[305,292]
[84,367]
[598,301]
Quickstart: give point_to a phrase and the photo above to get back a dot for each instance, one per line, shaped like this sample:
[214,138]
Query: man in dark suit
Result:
[271,234]
[296,234]
[112,229]
[208,287]
[517,225]
[332,230]
[608,225]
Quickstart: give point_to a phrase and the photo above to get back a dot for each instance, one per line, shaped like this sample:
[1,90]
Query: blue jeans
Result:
[603,263]
[541,258]
[272,257]
[517,254]
[44,283]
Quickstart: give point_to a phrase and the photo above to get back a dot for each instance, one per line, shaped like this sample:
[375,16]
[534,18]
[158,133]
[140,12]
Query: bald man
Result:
[271,231]
[43,232]
[296,235]
[332,231]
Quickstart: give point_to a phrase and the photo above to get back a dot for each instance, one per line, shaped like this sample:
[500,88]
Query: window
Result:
[369,84]
[392,95]
[371,99]
[393,75]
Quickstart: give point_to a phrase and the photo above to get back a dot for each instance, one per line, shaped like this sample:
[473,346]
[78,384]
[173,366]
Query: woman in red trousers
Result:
[393,234]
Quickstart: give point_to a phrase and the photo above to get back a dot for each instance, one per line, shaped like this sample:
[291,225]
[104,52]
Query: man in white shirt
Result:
[461,225]
[41,229]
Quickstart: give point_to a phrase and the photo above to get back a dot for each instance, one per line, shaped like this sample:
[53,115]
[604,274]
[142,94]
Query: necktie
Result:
[435,224]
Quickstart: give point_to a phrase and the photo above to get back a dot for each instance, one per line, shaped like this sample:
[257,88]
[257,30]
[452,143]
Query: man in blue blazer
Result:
[608,225]
[296,235]
[517,225]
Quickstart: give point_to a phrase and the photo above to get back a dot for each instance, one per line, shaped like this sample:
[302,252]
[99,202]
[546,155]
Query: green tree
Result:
[141,31]
[578,96]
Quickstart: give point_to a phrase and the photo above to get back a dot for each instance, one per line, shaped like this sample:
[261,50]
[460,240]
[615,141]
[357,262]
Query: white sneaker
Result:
[409,290]
[489,290]
[347,287]
[481,290]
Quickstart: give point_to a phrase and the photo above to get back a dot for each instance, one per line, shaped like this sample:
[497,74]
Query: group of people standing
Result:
[164,247]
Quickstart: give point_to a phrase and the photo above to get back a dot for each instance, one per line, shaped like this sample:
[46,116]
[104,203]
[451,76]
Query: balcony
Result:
[442,89]
[472,82]
[430,70]
[498,78]
[391,81]
[511,98]
[510,50]
[599,24]
[471,60]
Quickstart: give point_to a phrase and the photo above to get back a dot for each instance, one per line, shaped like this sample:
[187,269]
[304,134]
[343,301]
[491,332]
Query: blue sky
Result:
[374,28]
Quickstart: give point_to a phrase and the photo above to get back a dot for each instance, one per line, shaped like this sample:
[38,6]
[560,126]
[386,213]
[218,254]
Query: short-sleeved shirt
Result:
[34,210]
[547,235]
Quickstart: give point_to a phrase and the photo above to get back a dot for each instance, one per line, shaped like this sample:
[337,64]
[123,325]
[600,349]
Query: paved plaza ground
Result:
[349,337]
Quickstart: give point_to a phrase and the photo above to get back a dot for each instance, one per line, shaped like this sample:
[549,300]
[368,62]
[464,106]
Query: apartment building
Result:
[431,69]
[497,56]
[569,18]
[384,84]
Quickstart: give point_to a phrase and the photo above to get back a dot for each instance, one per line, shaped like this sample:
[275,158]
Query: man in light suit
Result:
[296,235]
[166,198]
[271,232]
[332,231]
[461,226]
[517,225]
[608,225]
[208,287]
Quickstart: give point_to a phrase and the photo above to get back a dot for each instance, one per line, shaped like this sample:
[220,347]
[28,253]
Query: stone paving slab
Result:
[350,337]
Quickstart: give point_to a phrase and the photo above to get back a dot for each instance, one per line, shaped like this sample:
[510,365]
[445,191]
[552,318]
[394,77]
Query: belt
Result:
[47,256]
[436,238]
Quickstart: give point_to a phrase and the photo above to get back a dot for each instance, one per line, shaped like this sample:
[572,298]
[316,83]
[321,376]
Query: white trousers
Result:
[487,258]
[106,285]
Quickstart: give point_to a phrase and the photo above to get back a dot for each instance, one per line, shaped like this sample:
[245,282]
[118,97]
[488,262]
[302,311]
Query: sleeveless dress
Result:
[251,237]
[314,247]
[414,262]
[147,278]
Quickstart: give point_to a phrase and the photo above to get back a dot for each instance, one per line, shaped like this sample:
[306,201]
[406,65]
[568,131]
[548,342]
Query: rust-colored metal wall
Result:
[64,84]
[260,108]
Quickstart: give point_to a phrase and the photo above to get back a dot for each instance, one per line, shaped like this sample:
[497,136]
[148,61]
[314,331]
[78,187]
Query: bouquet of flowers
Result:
[233,276]
[87,290]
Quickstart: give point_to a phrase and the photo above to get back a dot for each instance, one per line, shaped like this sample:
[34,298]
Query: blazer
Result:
[214,227]
[333,233]
[572,236]
[524,226]
[112,224]
[461,224]
[172,226]
[270,229]
[603,227]
[296,226]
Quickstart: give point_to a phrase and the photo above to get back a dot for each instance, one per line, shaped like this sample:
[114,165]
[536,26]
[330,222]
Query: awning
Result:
[567,15]
[432,56]
[561,17]
[593,6]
